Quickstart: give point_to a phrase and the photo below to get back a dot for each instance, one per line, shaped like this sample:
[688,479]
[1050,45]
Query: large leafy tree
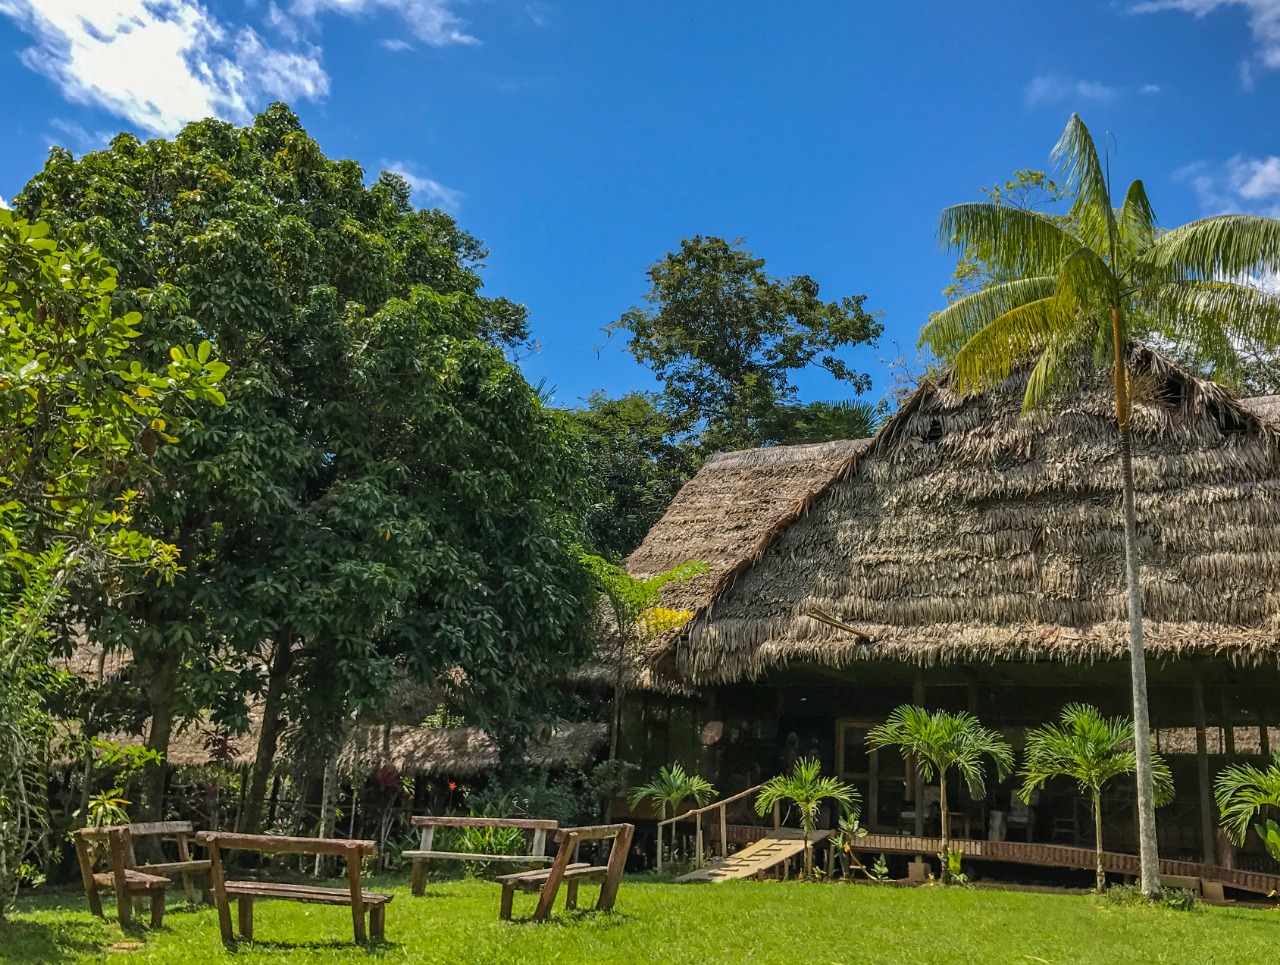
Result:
[1081,291]
[78,420]
[382,489]
[725,337]
[939,742]
[1092,750]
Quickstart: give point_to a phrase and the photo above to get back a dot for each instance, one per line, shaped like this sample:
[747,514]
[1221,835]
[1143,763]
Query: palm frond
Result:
[992,353]
[1242,312]
[1137,222]
[1013,240]
[1226,246]
[948,330]
[941,740]
[1083,176]
[1243,790]
[1054,373]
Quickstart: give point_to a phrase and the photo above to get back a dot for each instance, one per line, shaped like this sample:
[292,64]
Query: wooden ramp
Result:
[778,845]
[1061,856]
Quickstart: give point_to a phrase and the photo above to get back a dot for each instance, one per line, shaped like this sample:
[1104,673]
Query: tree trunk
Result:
[1147,846]
[328,795]
[946,828]
[163,686]
[808,850]
[1097,839]
[269,738]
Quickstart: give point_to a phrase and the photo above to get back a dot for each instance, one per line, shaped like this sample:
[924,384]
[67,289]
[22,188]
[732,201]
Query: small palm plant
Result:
[938,742]
[1242,791]
[807,789]
[671,788]
[1092,749]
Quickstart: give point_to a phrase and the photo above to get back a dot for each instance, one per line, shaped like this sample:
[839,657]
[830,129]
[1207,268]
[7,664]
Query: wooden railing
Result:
[696,815]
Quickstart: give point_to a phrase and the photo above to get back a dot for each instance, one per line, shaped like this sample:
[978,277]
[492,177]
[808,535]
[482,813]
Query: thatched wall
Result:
[463,751]
[969,531]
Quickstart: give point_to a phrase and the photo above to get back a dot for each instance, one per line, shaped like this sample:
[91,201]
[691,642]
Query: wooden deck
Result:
[1061,856]
[776,846]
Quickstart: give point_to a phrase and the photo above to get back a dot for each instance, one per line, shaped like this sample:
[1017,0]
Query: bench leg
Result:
[157,908]
[419,878]
[189,887]
[377,922]
[571,896]
[244,905]
[508,895]
[95,901]
[124,907]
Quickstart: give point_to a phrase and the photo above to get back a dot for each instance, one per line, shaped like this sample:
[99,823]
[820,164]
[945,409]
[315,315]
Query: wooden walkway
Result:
[778,845]
[1060,856]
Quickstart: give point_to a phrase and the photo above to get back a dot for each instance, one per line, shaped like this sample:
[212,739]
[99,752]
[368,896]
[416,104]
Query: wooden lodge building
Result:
[979,554]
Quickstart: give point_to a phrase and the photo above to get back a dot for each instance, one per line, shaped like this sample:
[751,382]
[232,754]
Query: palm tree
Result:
[807,789]
[1079,288]
[669,790]
[1092,749]
[1242,791]
[938,742]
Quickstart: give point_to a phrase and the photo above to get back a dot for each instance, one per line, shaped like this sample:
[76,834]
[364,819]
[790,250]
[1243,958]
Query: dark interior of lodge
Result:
[1205,714]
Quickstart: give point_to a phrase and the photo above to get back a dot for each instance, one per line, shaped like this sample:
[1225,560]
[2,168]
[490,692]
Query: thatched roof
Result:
[463,751]
[969,531]
[1265,406]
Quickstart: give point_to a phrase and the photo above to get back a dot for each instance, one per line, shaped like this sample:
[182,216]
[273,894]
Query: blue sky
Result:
[581,140]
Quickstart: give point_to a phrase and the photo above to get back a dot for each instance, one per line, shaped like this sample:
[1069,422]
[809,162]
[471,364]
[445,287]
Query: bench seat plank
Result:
[533,881]
[468,856]
[304,893]
[134,880]
[177,867]
[525,824]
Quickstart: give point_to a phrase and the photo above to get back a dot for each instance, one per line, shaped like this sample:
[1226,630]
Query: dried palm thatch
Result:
[967,530]
[462,751]
[1265,407]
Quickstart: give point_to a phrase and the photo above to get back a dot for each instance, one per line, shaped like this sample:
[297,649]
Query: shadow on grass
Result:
[350,948]
[36,941]
[564,919]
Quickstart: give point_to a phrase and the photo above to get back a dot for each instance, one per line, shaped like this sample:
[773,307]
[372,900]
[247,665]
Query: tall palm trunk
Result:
[1101,875]
[1148,849]
[946,828]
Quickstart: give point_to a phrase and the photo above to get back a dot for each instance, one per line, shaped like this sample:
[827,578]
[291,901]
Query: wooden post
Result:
[184,854]
[697,840]
[1202,774]
[418,878]
[357,893]
[777,815]
[86,874]
[617,861]
[1228,728]
[244,909]
[547,897]
[218,882]
[659,847]
[917,787]
[119,862]
[1264,734]
[724,833]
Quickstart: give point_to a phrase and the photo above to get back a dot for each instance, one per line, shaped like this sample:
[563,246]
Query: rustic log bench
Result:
[537,850]
[130,880]
[244,892]
[547,881]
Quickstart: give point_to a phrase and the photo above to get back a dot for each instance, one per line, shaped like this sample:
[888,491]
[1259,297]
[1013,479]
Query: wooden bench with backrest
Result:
[244,892]
[127,878]
[428,823]
[547,881]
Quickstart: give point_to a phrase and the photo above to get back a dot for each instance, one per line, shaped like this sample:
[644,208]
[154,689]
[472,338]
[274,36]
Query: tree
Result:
[635,467]
[1242,791]
[725,337]
[671,788]
[78,419]
[938,742]
[1080,292]
[807,788]
[635,617]
[1092,750]
[433,489]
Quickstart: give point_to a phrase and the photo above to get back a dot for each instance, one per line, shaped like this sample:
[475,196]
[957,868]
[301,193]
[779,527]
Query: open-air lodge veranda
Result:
[977,552]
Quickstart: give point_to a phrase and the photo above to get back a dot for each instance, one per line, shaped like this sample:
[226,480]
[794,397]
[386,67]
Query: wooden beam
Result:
[1202,774]
[917,786]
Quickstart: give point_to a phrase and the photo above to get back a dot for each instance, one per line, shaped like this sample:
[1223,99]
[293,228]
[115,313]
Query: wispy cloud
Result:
[538,12]
[160,63]
[396,45]
[1243,184]
[77,137]
[427,191]
[1264,24]
[431,21]
[3,203]
[1053,89]
[1149,89]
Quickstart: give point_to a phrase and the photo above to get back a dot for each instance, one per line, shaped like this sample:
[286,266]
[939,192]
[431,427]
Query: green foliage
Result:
[953,861]
[807,789]
[879,870]
[572,797]
[107,809]
[671,788]
[1242,791]
[1175,899]
[1269,834]
[725,337]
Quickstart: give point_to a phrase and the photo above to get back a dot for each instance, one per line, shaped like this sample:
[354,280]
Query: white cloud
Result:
[396,45]
[78,138]
[432,21]
[426,190]
[160,63]
[1050,89]
[3,203]
[1264,24]
[1149,89]
[538,12]
[1243,184]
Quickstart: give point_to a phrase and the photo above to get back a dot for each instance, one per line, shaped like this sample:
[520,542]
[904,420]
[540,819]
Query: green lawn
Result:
[654,922]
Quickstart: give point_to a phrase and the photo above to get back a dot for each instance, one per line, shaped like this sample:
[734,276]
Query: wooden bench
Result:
[127,878]
[547,881]
[244,892]
[537,850]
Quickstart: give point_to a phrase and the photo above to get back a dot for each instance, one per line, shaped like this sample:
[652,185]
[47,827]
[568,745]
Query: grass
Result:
[658,922]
